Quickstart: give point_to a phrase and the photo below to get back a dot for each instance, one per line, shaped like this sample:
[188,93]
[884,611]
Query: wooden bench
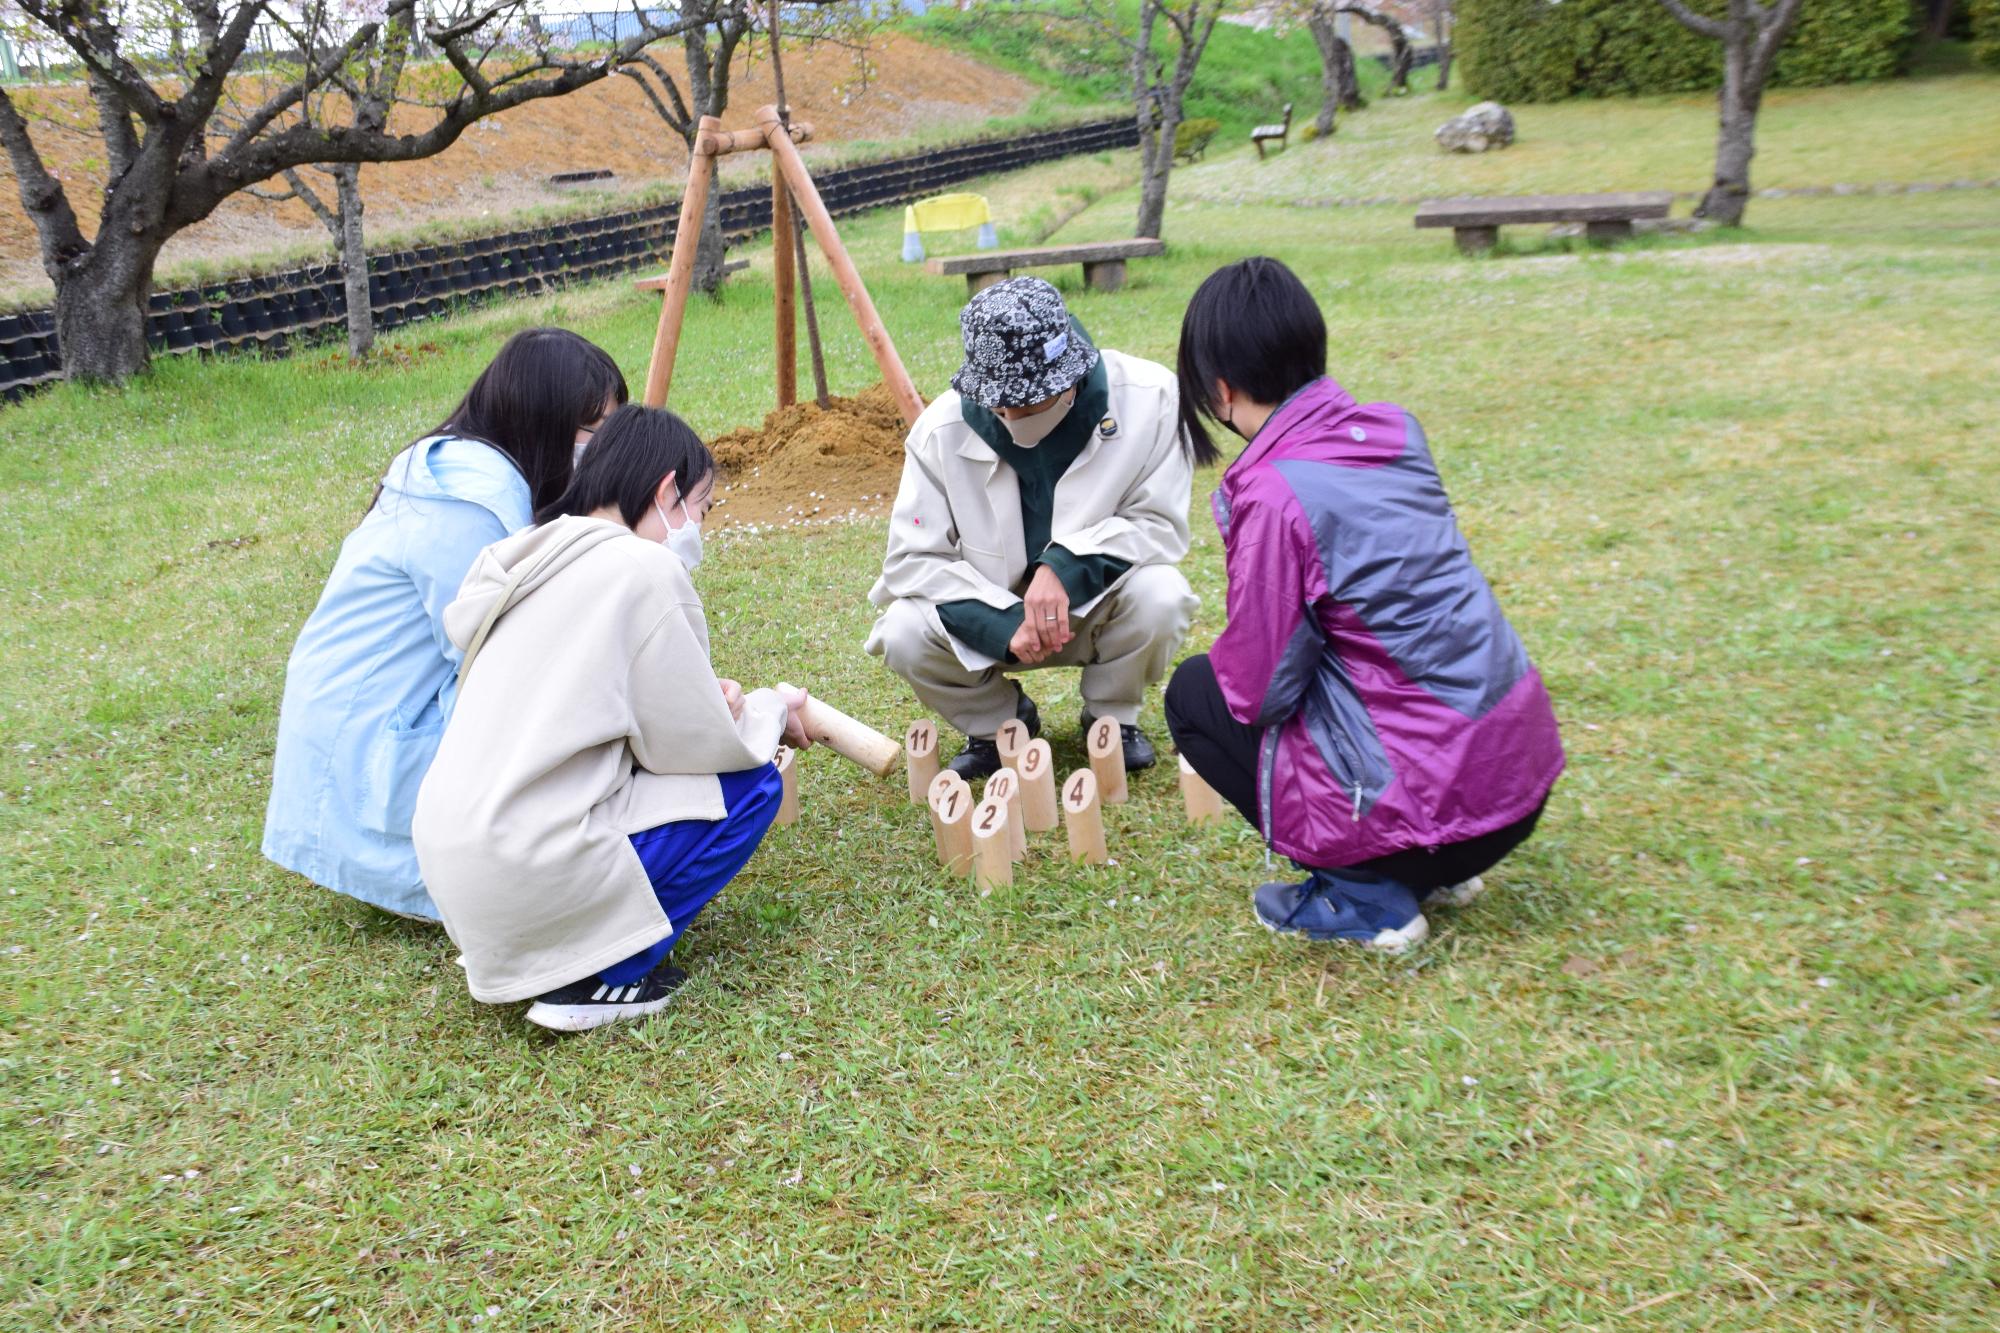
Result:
[1475,223]
[1103,262]
[1272,133]
[658,282]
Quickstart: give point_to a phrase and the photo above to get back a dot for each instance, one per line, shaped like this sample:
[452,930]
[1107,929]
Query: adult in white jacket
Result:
[1042,513]
[598,784]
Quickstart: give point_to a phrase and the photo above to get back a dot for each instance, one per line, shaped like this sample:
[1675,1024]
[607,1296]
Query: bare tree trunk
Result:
[709,250]
[1339,88]
[1156,155]
[1330,89]
[708,93]
[101,311]
[1750,35]
[1160,100]
[1735,144]
[1399,60]
[1350,83]
[1156,164]
[354,260]
[1441,23]
[1392,28]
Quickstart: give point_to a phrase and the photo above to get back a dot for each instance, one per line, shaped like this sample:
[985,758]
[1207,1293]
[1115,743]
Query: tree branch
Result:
[42,195]
[114,123]
[468,71]
[86,29]
[680,124]
[387,75]
[292,94]
[206,185]
[220,57]
[729,35]
[472,23]
[308,196]
[1771,35]
[1698,23]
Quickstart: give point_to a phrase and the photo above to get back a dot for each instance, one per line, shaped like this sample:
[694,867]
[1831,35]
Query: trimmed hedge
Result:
[1548,50]
[1986,32]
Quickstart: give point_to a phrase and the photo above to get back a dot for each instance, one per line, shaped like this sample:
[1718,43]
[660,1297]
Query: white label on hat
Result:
[1055,346]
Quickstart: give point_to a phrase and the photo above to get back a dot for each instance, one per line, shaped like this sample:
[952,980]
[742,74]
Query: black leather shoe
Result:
[980,759]
[1138,750]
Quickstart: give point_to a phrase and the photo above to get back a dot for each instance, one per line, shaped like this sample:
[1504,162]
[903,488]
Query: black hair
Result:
[1254,326]
[542,387]
[626,461]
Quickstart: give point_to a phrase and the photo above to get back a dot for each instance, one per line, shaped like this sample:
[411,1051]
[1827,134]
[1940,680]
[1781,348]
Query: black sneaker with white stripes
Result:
[590,1003]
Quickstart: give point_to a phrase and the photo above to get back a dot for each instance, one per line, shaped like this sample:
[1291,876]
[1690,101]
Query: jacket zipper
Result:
[1266,771]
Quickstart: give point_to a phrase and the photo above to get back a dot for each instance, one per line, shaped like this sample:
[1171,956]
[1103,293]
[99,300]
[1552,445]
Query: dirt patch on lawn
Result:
[809,463]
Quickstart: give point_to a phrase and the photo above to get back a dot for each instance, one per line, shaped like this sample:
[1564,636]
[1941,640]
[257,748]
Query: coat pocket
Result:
[397,762]
[1345,736]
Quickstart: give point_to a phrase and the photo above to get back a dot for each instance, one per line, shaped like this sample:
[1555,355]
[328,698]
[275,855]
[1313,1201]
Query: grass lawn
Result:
[1940,127]
[1718,1051]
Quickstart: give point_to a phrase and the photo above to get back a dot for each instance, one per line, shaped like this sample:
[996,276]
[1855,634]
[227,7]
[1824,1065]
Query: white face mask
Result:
[1027,432]
[685,540]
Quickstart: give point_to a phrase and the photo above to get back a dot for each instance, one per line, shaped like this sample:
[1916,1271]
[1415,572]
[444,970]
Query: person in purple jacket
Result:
[1368,707]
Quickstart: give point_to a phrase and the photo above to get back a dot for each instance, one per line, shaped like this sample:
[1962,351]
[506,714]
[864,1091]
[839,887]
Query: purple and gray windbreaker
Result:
[1399,706]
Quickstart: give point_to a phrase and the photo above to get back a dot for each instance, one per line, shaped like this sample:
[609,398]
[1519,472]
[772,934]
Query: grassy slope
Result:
[1718,1050]
[1244,79]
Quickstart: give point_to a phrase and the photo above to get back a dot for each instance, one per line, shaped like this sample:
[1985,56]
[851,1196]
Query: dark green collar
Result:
[1093,397]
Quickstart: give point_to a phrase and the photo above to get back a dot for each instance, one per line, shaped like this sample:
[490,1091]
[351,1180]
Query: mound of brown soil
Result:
[809,462]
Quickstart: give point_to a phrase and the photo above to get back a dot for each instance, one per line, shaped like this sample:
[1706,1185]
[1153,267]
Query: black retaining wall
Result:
[273,311]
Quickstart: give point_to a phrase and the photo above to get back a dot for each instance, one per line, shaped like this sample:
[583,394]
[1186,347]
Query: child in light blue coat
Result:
[372,678]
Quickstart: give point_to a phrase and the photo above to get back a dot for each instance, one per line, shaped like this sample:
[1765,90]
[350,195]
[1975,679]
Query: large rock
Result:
[1485,126]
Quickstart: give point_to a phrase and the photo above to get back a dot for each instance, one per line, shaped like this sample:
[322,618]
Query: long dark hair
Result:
[627,459]
[542,387]
[1254,326]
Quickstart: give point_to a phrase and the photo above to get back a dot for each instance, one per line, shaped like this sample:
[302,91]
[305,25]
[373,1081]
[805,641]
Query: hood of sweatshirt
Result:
[509,572]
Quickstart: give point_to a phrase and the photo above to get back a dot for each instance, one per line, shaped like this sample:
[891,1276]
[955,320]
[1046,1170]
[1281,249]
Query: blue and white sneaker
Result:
[1457,895]
[1319,910]
[591,1003]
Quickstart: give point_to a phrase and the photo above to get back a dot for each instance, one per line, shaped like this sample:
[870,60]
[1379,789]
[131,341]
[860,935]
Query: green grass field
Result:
[1718,1052]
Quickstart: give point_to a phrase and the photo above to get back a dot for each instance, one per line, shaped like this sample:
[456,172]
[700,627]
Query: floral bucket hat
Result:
[1020,345]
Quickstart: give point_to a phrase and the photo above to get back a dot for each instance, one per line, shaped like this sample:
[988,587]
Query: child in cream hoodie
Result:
[598,784]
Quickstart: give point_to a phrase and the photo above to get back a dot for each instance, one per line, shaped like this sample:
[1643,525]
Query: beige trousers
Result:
[1125,644]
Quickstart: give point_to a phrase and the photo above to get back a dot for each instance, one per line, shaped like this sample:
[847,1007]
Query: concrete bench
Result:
[1103,262]
[1277,134]
[1475,223]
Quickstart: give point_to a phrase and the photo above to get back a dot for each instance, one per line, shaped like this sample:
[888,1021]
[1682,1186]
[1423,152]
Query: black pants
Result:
[1224,752]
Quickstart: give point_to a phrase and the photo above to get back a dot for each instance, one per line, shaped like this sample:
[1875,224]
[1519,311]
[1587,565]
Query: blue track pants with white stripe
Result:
[690,861]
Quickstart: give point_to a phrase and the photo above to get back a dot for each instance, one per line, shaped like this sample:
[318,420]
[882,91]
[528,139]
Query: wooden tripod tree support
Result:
[781,140]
